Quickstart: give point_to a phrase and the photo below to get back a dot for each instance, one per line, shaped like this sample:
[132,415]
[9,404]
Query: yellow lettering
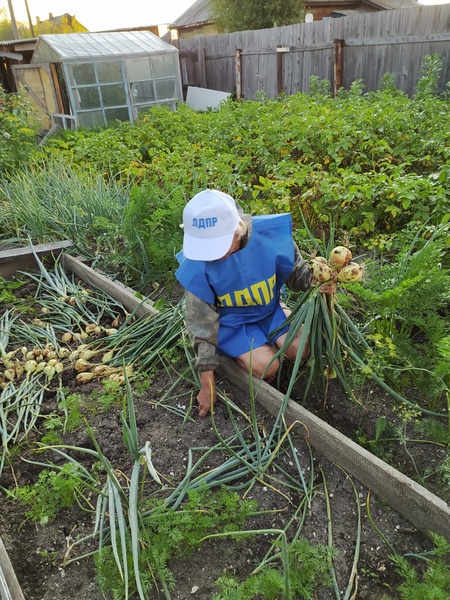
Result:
[243,298]
[272,281]
[257,289]
[259,294]
[225,300]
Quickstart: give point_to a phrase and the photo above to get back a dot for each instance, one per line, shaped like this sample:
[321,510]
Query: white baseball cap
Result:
[210,220]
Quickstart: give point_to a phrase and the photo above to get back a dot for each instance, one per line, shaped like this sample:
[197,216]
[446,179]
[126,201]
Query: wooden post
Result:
[57,89]
[279,70]
[280,51]
[201,64]
[238,72]
[13,20]
[338,64]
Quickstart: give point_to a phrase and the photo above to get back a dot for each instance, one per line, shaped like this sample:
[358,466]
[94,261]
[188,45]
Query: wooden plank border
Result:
[9,586]
[424,510]
[21,259]
[125,295]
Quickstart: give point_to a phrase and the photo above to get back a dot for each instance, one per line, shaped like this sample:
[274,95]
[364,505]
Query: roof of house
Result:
[58,19]
[78,46]
[382,4]
[199,13]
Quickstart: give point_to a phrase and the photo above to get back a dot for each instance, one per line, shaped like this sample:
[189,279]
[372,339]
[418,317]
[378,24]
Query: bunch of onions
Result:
[327,333]
[29,362]
[338,268]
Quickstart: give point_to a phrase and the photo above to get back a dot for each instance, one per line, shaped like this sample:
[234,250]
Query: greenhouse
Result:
[98,78]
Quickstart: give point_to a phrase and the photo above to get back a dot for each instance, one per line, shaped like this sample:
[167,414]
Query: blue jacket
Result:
[245,286]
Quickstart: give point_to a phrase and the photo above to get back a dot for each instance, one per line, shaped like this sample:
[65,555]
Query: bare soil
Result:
[38,552]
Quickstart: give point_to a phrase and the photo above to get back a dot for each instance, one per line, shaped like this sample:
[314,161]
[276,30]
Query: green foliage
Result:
[378,162]
[113,148]
[64,24]
[243,15]
[69,419]
[63,202]
[7,291]
[18,129]
[430,69]
[111,395]
[152,227]
[6,29]
[52,492]
[434,582]
[308,568]
[444,476]
[168,533]
[319,88]
[405,301]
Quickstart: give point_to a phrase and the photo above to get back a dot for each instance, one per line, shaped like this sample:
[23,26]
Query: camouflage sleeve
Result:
[300,278]
[202,324]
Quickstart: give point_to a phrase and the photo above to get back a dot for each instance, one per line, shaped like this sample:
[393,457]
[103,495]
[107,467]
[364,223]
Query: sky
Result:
[97,15]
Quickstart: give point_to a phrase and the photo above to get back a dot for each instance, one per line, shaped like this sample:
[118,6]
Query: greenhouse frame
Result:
[93,79]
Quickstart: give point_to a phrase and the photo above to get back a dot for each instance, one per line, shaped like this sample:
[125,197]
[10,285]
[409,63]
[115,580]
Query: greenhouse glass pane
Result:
[165,88]
[163,66]
[138,69]
[93,118]
[113,95]
[117,114]
[144,108]
[83,74]
[88,97]
[143,91]
[109,72]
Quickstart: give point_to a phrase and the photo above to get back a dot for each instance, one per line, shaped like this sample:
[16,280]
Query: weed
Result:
[111,395]
[142,383]
[382,444]
[7,291]
[308,565]
[168,533]
[53,491]
[434,582]
[71,405]
[444,474]
[428,77]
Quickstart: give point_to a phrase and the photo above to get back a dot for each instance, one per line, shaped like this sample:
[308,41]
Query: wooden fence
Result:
[343,50]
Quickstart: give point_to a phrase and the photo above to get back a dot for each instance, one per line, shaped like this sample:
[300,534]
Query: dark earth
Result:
[37,551]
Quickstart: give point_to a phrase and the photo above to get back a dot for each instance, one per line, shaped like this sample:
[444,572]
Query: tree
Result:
[62,24]
[6,30]
[241,15]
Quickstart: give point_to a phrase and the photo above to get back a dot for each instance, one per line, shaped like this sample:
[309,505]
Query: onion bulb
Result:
[84,377]
[339,257]
[82,365]
[350,273]
[320,270]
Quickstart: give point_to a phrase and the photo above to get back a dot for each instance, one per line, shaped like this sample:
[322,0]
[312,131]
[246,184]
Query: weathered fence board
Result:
[373,44]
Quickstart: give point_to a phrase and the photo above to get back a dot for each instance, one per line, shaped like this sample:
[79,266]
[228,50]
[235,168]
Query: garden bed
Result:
[336,511]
